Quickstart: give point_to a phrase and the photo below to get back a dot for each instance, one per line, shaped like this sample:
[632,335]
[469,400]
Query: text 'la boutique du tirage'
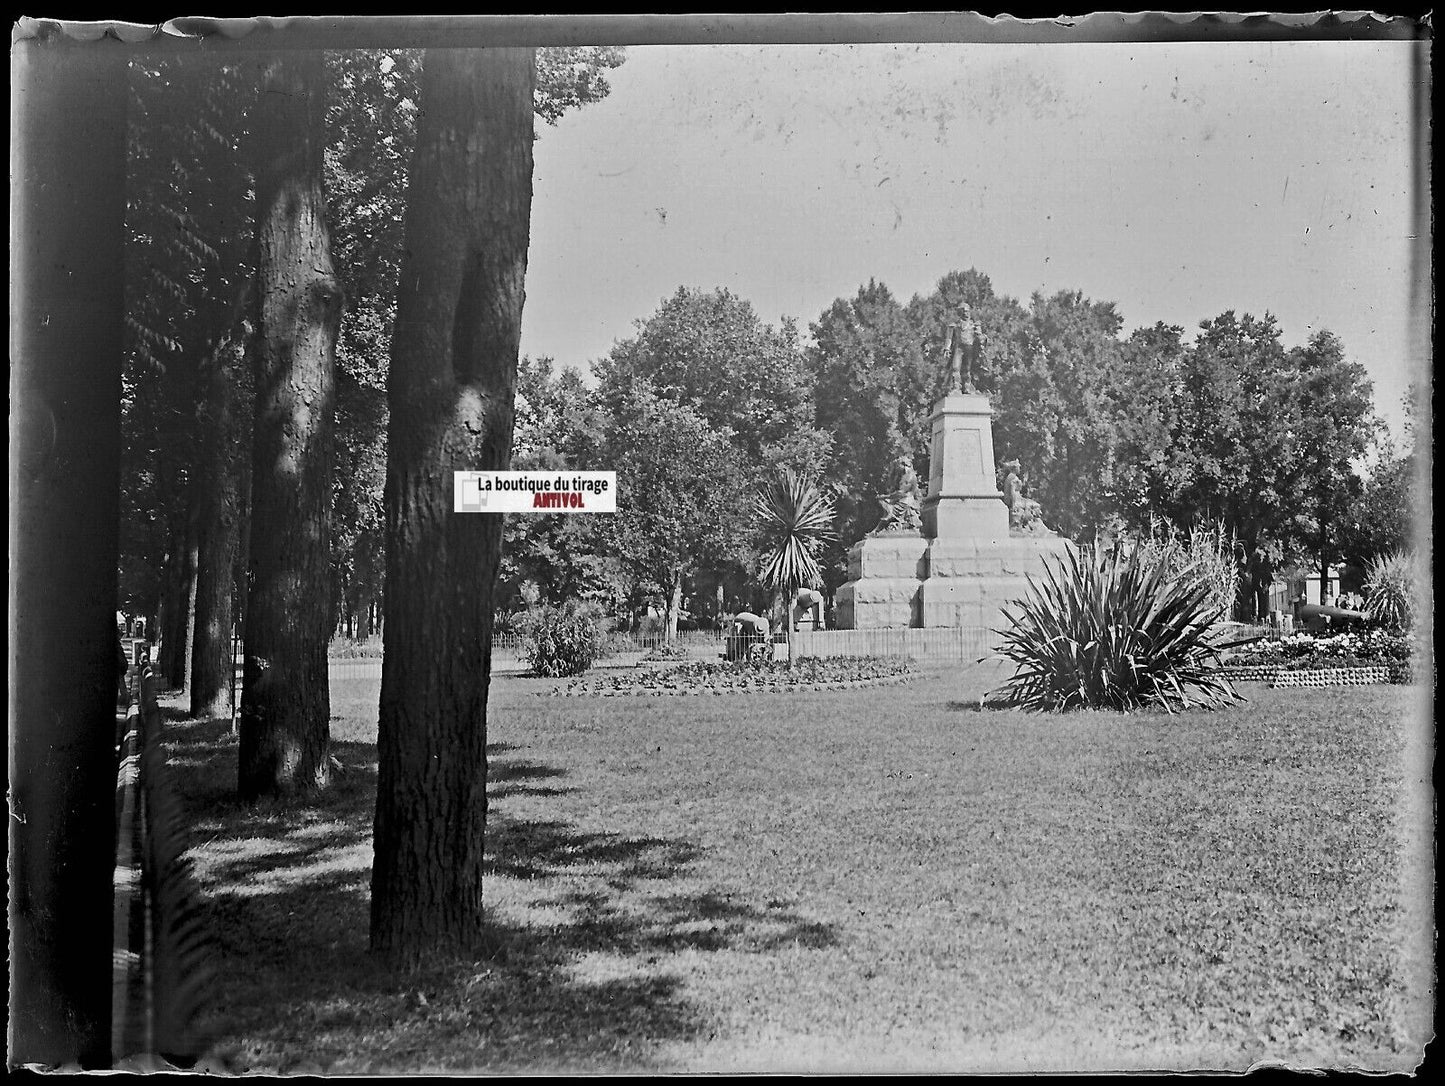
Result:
[536,492]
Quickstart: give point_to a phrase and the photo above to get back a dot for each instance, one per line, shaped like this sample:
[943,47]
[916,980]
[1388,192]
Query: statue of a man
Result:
[962,350]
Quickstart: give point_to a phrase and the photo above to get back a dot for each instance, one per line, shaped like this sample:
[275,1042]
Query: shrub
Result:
[1207,553]
[562,641]
[1116,631]
[1393,590]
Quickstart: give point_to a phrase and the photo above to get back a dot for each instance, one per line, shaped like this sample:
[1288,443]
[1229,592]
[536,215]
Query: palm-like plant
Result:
[1393,590]
[1119,632]
[794,521]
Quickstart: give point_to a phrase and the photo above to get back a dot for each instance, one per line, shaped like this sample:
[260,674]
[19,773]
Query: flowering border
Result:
[1278,676]
[721,691]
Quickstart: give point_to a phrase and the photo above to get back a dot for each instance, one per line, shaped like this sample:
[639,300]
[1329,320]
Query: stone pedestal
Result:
[969,580]
[885,574]
[963,499]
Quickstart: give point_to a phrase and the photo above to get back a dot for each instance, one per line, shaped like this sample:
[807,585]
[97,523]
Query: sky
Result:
[1178,180]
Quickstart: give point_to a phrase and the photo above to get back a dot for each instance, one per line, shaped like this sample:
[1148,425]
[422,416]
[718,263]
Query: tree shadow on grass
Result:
[571,981]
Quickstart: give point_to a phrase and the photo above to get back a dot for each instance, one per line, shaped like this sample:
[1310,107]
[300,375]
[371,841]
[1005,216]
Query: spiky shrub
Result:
[562,641]
[1393,590]
[794,520]
[1116,631]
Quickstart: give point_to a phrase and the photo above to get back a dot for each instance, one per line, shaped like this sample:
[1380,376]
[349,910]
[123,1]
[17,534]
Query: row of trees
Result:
[322,249]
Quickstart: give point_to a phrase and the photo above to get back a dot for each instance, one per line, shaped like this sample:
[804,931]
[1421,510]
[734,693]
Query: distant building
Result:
[1304,588]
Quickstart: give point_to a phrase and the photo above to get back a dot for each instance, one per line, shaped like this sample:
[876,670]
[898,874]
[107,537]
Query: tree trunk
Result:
[180,624]
[67,247]
[788,598]
[170,592]
[285,703]
[218,531]
[672,606]
[450,389]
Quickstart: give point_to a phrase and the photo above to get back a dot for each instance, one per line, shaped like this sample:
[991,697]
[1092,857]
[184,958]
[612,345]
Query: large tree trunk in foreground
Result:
[451,385]
[218,525]
[285,704]
[67,244]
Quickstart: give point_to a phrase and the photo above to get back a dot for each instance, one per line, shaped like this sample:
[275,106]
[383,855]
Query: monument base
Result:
[970,580]
[899,580]
[885,572]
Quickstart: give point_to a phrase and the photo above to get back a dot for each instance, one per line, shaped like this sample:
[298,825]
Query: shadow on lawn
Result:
[580,988]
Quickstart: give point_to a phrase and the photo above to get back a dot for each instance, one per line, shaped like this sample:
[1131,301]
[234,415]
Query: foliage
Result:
[709,351]
[1205,552]
[680,498]
[668,650]
[571,76]
[1265,443]
[556,557]
[1395,591]
[794,520]
[872,387]
[1115,632]
[1382,517]
[188,228]
[562,641]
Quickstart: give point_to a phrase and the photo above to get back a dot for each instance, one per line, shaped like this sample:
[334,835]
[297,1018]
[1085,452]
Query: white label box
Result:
[535,492]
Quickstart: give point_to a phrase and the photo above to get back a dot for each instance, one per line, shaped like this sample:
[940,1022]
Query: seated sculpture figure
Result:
[1024,514]
[900,501]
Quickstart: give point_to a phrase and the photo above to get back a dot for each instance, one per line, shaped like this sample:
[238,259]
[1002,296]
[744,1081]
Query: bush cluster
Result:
[562,641]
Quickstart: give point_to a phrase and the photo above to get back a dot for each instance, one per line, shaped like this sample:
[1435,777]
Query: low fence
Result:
[953,644]
[162,969]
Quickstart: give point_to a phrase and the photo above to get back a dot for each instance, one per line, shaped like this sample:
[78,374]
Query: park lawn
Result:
[886,879]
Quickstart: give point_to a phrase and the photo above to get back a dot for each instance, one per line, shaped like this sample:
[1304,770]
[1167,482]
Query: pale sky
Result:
[1177,180]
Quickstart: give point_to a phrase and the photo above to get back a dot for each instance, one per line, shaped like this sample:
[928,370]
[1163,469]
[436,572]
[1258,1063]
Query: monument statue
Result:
[960,556]
[900,499]
[962,351]
[1024,514]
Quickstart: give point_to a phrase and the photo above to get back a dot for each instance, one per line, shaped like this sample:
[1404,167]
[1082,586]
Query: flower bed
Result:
[1347,656]
[707,678]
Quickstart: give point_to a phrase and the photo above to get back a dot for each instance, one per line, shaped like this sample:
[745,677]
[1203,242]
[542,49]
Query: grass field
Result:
[878,880]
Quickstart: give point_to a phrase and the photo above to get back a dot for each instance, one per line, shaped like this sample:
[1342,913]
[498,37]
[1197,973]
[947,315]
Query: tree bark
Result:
[165,613]
[450,389]
[285,703]
[67,246]
[180,622]
[672,606]
[218,529]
